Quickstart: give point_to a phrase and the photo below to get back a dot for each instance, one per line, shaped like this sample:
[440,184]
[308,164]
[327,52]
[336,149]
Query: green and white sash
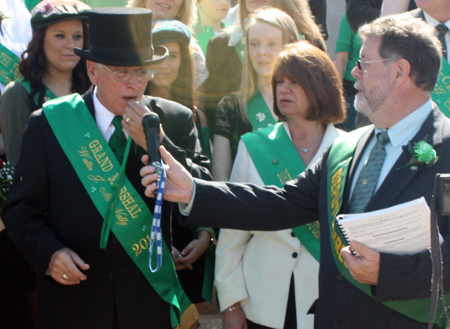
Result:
[265,147]
[258,112]
[99,171]
[441,94]
[339,159]
[9,65]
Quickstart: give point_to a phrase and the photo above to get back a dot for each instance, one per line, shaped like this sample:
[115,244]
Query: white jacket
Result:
[255,268]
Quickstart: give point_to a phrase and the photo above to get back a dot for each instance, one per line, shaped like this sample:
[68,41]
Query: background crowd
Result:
[246,93]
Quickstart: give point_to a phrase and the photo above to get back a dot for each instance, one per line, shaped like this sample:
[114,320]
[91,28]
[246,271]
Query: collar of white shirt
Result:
[104,118]
[433,22]
[405,130]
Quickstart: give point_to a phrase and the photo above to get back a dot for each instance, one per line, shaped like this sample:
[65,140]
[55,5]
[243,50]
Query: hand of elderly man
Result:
[65,267]
[132,123]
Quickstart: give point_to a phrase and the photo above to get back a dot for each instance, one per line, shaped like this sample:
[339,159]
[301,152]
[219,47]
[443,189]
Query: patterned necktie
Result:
[442,29]
[368,178]
[118,140]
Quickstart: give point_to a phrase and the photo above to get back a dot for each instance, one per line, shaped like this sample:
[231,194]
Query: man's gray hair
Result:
[404,37]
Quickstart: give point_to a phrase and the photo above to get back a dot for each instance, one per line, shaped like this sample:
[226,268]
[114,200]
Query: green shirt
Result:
[349,42]
[105,3]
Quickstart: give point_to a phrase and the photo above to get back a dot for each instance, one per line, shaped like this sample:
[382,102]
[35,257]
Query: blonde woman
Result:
[251,108]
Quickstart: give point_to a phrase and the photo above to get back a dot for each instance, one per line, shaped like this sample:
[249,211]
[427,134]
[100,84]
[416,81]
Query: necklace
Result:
[306,150]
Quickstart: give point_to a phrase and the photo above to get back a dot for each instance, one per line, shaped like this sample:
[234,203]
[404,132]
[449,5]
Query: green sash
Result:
[30,4]
[105,3]
[339,159]
[9,65]
[278,164]
[441,94]
[48,93]
[258,112]
[98,170]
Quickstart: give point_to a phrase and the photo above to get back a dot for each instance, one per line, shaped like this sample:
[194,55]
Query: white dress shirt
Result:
[104,118]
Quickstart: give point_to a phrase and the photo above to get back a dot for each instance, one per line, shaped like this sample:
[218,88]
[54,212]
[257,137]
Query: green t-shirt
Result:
[30,4]
[349,42]
[105,3]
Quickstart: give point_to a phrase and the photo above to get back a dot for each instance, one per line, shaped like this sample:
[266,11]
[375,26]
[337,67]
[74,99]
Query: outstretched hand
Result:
[179,183]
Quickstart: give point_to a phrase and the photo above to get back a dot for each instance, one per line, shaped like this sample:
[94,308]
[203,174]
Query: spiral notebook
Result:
[403,229]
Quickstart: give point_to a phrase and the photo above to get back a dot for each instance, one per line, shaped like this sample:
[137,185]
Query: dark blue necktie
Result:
[442,29]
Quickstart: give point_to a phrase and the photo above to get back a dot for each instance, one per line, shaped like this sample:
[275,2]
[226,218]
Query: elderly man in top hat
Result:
[76,209]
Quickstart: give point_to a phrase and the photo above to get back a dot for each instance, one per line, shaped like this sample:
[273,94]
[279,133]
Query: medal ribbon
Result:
[156,231]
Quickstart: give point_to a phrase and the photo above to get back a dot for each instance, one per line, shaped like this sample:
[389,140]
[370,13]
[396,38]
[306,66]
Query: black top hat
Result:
[121,37]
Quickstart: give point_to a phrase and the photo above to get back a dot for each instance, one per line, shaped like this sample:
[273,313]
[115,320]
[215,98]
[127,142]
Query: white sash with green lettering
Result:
[99,171]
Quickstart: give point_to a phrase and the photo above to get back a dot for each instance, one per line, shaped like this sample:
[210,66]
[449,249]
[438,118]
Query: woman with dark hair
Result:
[184,11]
[49,67]
[174,77]
[173,81]
[270,279]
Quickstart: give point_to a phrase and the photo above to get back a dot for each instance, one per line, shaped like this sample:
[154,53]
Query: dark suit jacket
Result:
[49,209]
[340,304]
[360,12]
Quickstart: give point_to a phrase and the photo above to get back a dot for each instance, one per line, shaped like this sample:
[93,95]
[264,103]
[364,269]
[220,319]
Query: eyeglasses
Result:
[143,75]
[359,63]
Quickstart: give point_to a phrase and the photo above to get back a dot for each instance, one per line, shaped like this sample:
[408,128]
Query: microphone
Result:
[151,124]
